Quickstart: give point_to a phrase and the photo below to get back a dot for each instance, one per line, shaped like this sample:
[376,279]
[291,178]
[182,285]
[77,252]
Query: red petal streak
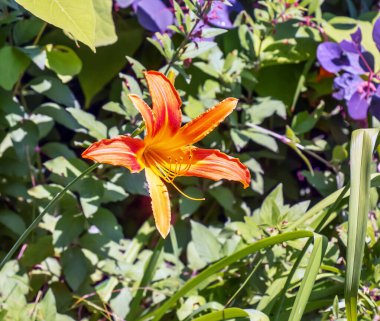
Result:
[215,165]
[166,103]
[119,151]
[201,126]
[160,202]
[145,111]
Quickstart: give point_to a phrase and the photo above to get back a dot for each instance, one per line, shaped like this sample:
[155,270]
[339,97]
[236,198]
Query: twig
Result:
[288,141]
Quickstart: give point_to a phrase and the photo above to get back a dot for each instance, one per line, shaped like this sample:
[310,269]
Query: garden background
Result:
[297,244]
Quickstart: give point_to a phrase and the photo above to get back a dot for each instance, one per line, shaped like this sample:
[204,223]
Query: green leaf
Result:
[12,64]
[105,33]
[47,307]
[25,30]
[12,221]
[205,242]
[224,196]
[59,114]
[108,60]
[187,206]
[63,60]
[95,128]
[74,265]
[106,222]
[362,146]
[193,49]
[120,304]
[303,122]
[54,89]
[75,17]
[35,253]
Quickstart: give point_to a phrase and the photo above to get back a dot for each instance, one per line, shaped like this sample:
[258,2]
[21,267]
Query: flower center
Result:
[169,167]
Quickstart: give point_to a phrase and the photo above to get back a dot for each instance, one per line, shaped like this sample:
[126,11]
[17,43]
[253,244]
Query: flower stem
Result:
[41,215]
[187,37]
[288,141]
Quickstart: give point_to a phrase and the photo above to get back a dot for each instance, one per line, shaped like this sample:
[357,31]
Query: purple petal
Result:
[375,107]
[357,37]
[124,3]
[218,15]
[346,85]
[376,33]
[358,106]
[153,15]
[348,46]
[331,57]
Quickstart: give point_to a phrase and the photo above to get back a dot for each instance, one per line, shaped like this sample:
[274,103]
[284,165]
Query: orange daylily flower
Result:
[167,150]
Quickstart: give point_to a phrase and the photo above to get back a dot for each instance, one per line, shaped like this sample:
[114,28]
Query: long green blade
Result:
[362,145]
[212,269]
[232,313]
[316,257]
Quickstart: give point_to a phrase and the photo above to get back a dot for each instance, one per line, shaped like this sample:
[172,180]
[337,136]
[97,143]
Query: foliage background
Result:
[89,258]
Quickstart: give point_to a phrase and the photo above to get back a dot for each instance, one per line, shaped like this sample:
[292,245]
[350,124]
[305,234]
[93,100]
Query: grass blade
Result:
[204,275]
[316,257]
[362,145]
[232,313]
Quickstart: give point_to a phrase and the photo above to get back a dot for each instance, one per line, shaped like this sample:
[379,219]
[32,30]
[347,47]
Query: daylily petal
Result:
[145,111]
[166,103]
[205,123]
[160,202]
[119,151]
[215,165]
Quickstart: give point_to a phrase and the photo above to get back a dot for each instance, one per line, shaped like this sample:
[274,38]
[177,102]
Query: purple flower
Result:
[219,14]
[156,16]
[355,85]
[335,57]
[376,33]
[345,86]
[153,15]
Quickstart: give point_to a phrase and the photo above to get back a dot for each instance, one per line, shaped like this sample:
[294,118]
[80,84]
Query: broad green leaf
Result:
[105,33]
[63,60]
[105,288]
[205,242]
[37,252]
[54,89]
[26,29]
[187,206]
[120,304]
[74,265]
[106,222]
[59,114]
[193,49]
[362,146]
[12,221]
[109,60]
[75,17]
[47,309]
[12,64]
[95,128]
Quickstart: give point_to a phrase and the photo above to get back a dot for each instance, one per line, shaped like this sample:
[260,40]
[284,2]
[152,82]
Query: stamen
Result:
[168,173]
[187,196]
